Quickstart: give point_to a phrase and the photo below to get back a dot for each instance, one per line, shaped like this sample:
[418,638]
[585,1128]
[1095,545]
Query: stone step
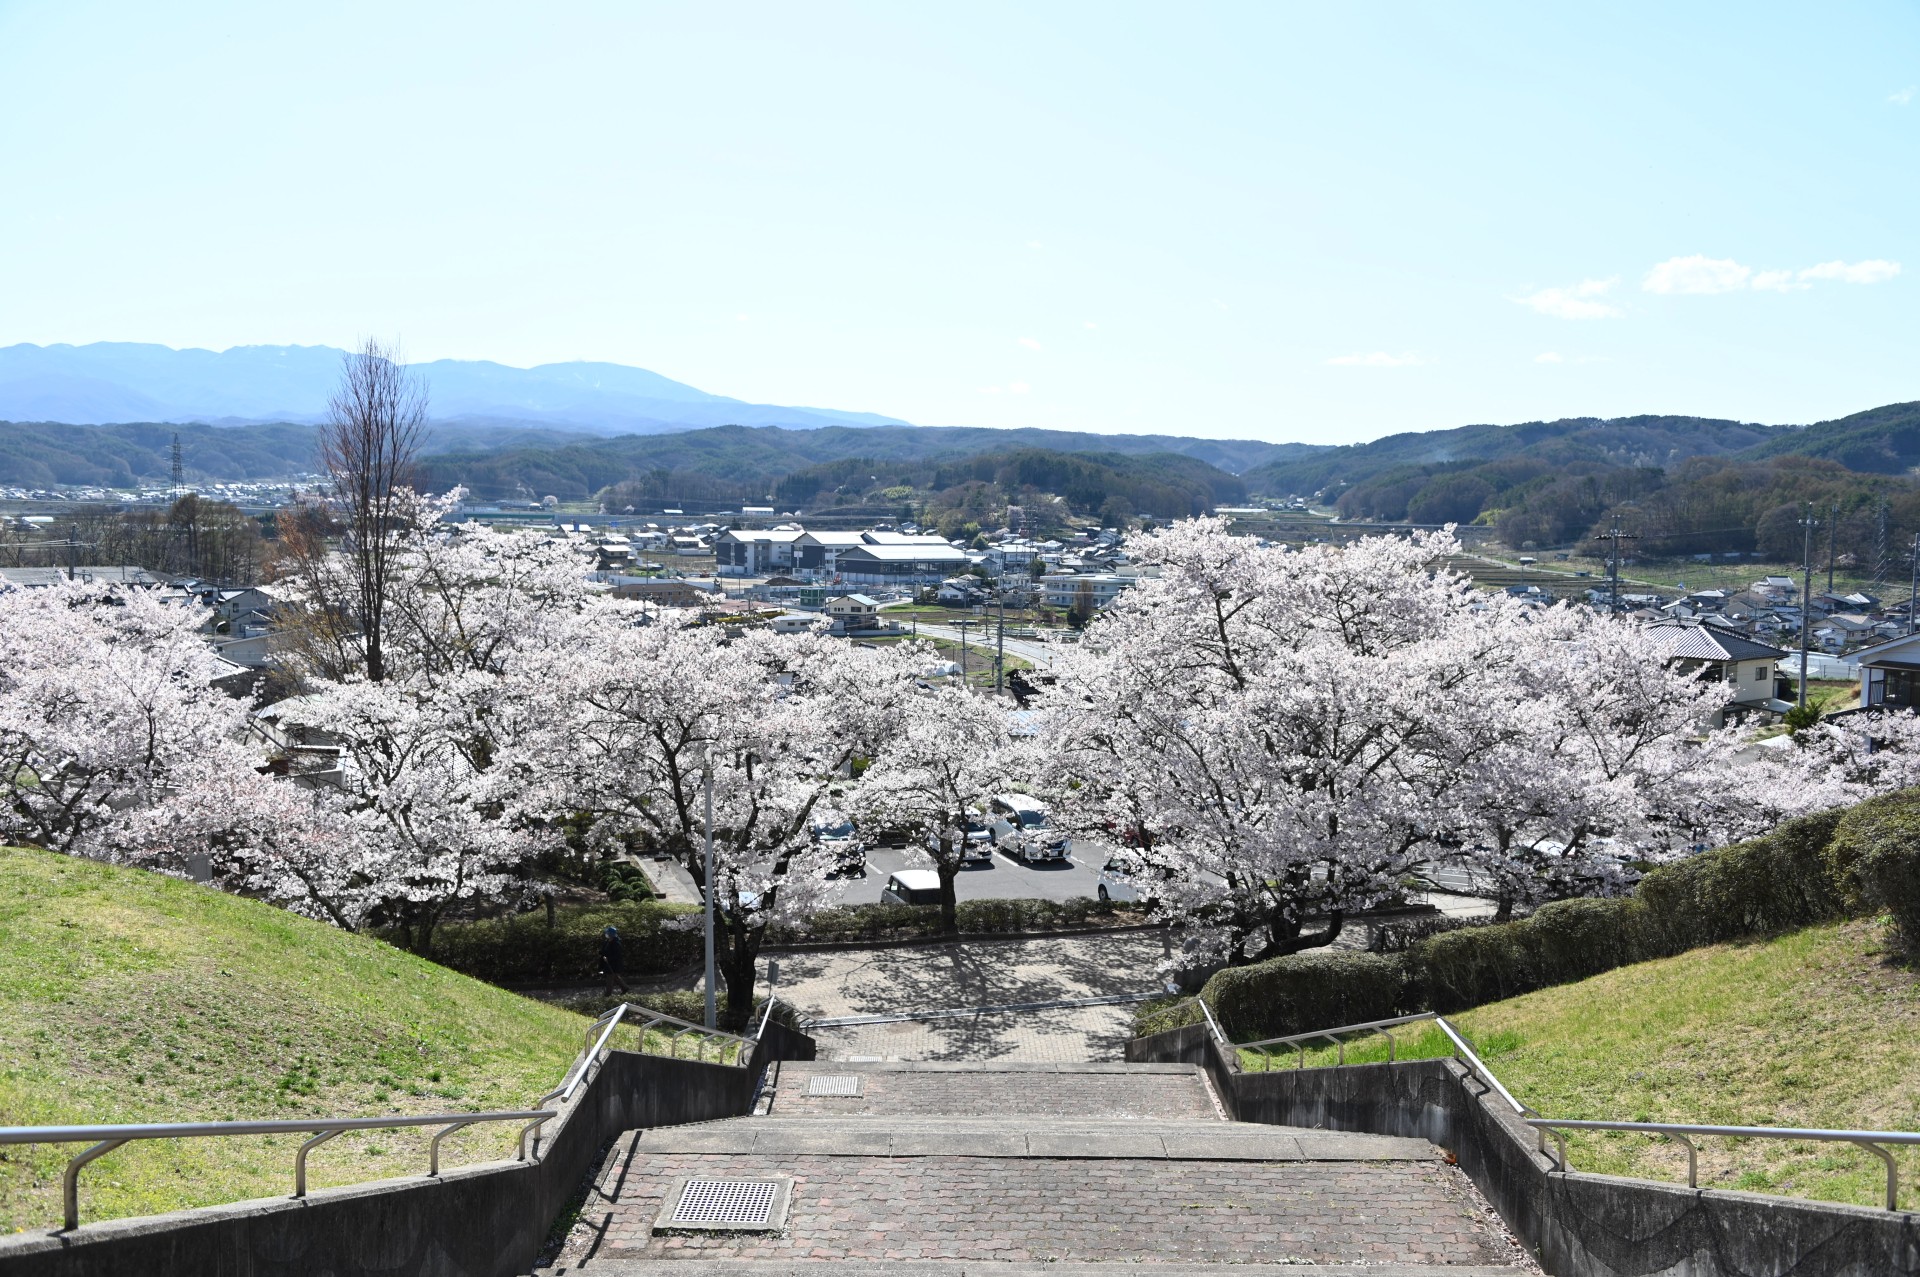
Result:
[1060,1091]
[992,1268]
[1045,1137]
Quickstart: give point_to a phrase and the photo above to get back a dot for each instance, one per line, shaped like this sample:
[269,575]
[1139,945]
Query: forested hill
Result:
[1877,441]
[1684,485]
[757,456]
[1630,442]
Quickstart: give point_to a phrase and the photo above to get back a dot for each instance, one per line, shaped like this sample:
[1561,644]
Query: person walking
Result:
[610,959]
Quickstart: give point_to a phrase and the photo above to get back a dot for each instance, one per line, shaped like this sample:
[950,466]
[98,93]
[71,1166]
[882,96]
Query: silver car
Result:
[1020,830]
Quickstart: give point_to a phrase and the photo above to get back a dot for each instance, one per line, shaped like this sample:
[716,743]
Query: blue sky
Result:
[1312,222]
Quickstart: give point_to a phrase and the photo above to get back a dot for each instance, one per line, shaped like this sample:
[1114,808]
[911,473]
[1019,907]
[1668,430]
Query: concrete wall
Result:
[1589,1225]
[479,1221]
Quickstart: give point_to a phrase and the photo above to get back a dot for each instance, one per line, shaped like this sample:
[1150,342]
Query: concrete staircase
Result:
[965,1168]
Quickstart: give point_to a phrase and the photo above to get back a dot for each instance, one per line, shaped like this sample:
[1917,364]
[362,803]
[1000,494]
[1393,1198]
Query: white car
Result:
[1020,830]
[1116,881]
[912,887]
[976,847]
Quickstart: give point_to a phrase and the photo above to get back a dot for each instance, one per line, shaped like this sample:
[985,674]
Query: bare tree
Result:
[374,425]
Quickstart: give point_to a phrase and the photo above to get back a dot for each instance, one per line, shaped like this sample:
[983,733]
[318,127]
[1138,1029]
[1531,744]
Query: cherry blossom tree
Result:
[107,713]
[947,753]
[779,720]
[443,808]
[1580,740]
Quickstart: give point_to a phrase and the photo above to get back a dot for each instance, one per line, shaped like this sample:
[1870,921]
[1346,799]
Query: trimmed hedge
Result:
[1815,869]
[523,948]
[909,922]
[1874,857]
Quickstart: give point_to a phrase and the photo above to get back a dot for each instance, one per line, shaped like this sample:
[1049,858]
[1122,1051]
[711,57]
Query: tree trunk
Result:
[1504,911]
[948,867]
[1287,939]
[738,971]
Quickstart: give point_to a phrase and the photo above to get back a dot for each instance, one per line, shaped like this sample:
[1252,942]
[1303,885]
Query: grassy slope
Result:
[126,996]
[1811,1029]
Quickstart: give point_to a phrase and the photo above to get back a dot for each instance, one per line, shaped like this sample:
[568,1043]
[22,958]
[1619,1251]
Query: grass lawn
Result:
[126,996]
[1813,1029]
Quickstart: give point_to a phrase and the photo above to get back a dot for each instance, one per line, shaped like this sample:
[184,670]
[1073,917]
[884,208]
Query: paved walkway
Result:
[977,974]
[1053,1164]
[1112,1091]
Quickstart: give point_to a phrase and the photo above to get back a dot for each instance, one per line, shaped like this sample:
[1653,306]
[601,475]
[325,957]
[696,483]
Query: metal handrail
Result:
[1213,1025]
[765,1016]
[1465,1053]
[1869,1140]
[112,1137]
[1300,1040]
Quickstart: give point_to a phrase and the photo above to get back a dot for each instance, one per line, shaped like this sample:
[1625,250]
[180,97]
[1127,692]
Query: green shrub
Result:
[1874,859]
[1811,870]
[1174,1011]
[909,922]
[1313,990]
[524,948]
[687,1004]
[1564,941]
[1777,882]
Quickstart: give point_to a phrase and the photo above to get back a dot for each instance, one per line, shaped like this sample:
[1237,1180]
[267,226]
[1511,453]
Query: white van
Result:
[912,887]
[1020,830]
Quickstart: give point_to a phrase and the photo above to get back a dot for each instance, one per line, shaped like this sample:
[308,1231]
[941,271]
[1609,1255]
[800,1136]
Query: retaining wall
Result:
[1578,1225]
[478,1221]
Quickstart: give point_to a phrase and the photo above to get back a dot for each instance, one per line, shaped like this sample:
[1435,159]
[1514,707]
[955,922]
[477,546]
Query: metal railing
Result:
[323,1129]
[1463,1051]
[110,1137]
[1869,1140]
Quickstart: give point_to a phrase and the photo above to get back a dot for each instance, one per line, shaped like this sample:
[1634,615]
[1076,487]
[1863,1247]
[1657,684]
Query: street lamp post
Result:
[706,776]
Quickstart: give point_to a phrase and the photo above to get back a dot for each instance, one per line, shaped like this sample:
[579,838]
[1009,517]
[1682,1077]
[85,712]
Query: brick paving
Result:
[1068,1035]
[984,973]
[1040,1209]
[985,1092]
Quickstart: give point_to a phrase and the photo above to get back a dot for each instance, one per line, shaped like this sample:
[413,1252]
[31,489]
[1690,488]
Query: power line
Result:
[1613,562]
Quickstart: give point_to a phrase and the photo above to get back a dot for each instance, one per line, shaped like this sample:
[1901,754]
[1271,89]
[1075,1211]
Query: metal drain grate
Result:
[834,1084]
[726,1201]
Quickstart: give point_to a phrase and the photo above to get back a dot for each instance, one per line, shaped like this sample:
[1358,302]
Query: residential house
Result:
[1745,666]
[1890,673]
[851,612]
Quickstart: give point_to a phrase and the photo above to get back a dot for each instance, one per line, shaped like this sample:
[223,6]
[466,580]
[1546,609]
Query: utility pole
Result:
[962,627]
[1613,563]
[1806,602]
[1913,595]
[1833,540]
[1000,650]
[73,548]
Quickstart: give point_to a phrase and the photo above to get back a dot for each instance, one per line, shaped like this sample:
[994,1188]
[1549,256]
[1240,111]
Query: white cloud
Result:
[1018,387]
[1379,359]
[1904,96]
[1030,343]
[1550,357]
[1777,281]
[1875,271]
[1577,302]
[1697,274]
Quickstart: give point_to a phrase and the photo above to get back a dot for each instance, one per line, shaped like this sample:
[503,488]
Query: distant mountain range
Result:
[140,382]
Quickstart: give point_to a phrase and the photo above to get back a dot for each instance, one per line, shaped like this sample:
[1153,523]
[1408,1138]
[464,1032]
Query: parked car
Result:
[912,887]
[1020,830]
[977,845]
[1123,878]
[836,836]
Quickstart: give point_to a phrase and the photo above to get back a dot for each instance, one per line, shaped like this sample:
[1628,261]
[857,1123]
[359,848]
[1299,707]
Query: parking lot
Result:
[1000,878]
